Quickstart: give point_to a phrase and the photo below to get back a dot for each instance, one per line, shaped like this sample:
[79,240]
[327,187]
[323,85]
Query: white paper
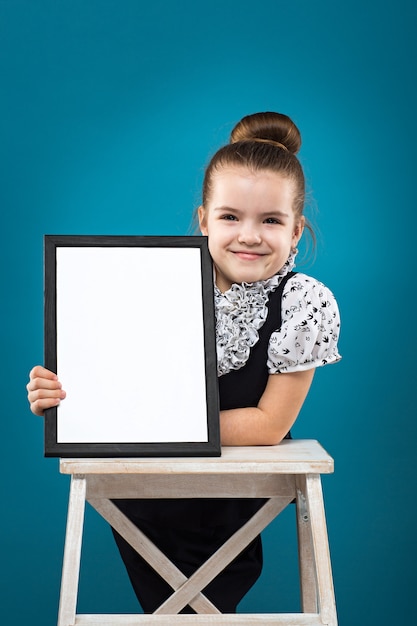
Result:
[130,345]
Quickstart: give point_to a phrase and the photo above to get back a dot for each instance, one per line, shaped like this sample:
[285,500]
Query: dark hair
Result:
[262,141]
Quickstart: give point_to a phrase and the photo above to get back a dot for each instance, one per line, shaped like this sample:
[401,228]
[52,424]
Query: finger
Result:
[40,406]
[41,372]
[46,394]
[43,383]
[42,399]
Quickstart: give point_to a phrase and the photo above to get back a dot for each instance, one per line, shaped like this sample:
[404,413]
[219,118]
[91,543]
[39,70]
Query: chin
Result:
[253,278]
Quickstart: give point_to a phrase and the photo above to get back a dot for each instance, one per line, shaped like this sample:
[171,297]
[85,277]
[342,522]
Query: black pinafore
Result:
[188,531]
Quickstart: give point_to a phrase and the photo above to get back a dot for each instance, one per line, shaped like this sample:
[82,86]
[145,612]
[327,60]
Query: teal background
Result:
[109,111]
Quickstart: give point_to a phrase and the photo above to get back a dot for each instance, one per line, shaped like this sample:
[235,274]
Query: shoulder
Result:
[303,292]
[310,326]
[302,284]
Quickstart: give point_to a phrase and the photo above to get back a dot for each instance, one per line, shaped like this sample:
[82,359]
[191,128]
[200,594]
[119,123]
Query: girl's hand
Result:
[44,390]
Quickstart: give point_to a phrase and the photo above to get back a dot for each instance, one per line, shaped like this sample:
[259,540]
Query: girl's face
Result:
[250,224]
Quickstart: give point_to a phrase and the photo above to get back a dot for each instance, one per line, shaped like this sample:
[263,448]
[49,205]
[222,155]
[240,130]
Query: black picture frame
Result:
[107,299]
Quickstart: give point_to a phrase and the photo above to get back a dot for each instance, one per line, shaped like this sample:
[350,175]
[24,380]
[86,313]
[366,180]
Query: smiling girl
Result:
[274,327]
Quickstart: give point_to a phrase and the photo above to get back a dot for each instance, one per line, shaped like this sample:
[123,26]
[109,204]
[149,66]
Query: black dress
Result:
[189,531]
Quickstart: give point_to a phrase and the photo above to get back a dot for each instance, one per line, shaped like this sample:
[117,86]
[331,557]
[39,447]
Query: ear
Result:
[202,220]
[298,231]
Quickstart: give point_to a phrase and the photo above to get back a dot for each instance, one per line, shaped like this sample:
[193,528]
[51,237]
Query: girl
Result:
[274,327]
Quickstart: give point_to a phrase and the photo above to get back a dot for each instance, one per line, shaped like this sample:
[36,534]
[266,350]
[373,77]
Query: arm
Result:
[269,422]
[44,390]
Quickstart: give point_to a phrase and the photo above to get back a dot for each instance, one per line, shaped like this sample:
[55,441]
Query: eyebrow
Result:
[273,213]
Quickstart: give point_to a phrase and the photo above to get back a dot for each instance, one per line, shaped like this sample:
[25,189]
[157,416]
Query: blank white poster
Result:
[130,345]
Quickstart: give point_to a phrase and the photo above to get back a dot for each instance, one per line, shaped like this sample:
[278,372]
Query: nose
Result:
[249,234]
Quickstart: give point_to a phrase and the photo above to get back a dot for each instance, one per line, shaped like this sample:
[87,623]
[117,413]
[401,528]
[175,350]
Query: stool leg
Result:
[307,567]
[72,552]
[320,548]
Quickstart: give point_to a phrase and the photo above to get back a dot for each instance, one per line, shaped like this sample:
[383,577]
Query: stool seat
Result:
[281,474]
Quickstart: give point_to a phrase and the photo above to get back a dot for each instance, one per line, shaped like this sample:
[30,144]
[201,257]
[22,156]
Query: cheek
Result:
[213,232]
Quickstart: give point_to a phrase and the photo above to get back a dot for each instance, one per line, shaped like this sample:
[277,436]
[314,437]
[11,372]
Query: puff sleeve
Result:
[310,328]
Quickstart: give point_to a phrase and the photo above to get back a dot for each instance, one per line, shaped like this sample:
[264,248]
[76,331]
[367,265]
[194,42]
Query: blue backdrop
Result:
[109,111]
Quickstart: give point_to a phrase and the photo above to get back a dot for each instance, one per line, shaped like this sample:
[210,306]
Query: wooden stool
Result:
[281,473]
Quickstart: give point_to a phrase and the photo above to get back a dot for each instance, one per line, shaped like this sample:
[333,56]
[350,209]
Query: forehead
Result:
[241,184]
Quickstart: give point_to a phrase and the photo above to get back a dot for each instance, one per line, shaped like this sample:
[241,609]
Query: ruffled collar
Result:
[240,312]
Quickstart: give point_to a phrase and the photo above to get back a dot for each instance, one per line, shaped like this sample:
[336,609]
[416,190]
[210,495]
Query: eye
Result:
[272,220]
[229,217]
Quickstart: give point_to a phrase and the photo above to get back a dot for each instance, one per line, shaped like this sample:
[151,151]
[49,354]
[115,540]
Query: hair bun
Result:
[268,126]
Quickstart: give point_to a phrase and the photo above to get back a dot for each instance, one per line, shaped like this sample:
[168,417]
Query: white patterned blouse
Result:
[308,334]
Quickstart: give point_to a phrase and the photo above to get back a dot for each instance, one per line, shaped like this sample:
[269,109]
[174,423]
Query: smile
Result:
[248,256]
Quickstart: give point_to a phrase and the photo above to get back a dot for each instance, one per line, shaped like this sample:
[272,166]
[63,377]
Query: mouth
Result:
[248,256]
